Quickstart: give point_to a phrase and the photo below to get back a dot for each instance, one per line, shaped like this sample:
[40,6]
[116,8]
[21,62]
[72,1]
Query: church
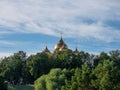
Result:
[60,46]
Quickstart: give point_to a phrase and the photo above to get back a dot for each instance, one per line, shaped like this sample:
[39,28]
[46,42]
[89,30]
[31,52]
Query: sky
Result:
[29,25]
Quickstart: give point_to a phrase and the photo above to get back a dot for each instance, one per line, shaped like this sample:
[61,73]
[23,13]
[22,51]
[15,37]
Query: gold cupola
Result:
[61,45]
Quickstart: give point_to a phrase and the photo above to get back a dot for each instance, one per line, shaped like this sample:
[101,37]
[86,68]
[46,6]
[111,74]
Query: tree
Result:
[38,65]
[106,76]
[55,80]
[76,61]
[3,85]
[115,57]
[62,59]
[11,67]
[80,80]
[100,58]
[25,74]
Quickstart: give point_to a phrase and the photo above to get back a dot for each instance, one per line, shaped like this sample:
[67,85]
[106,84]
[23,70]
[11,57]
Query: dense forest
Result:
[63,70]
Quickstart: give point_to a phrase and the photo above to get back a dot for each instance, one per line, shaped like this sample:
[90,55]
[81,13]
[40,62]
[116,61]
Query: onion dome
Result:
[61,45]
[76,52]
[64,47]
[46,50]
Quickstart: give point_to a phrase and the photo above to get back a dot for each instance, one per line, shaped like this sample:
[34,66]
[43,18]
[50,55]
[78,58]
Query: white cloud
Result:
[3,42]
[48,16]
[4,54]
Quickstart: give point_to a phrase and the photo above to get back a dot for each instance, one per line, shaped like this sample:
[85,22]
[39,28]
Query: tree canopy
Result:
[63,70]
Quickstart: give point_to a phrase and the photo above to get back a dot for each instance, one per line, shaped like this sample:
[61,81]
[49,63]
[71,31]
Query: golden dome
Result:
[61,45]
[64,47]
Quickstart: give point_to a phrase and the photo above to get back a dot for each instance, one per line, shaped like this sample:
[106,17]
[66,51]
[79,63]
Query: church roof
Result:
[61,45]
[46,50]
[76,51]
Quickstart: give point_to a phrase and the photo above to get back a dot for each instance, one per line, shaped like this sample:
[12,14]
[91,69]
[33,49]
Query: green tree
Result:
[115,57]
[3,85]
[62,59]
[100,58]
[80,80]
[106,76]
[55,80]
[38,64]
[11,66]
[76,61]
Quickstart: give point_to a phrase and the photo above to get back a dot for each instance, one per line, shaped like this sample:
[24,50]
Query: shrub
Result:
[3,85]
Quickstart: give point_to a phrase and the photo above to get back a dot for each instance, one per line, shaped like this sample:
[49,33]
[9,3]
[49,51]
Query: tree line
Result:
[63,70]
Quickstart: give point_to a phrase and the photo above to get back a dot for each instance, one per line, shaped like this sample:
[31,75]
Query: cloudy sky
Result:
[28,24]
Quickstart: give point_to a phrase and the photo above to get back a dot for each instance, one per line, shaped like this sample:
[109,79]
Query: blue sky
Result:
[28,24]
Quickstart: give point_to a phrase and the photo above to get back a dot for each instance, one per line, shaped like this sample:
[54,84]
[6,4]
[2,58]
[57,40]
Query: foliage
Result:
[107,76]
[80,80]
[3,85]
[55,80]
[11,67]
[115,57]
[74,71]
[21,87]
[38,64]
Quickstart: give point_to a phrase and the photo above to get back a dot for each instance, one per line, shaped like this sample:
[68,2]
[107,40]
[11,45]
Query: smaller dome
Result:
[76,52]
[46,50]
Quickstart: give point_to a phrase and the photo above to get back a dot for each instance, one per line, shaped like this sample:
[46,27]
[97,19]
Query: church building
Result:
[60,46]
